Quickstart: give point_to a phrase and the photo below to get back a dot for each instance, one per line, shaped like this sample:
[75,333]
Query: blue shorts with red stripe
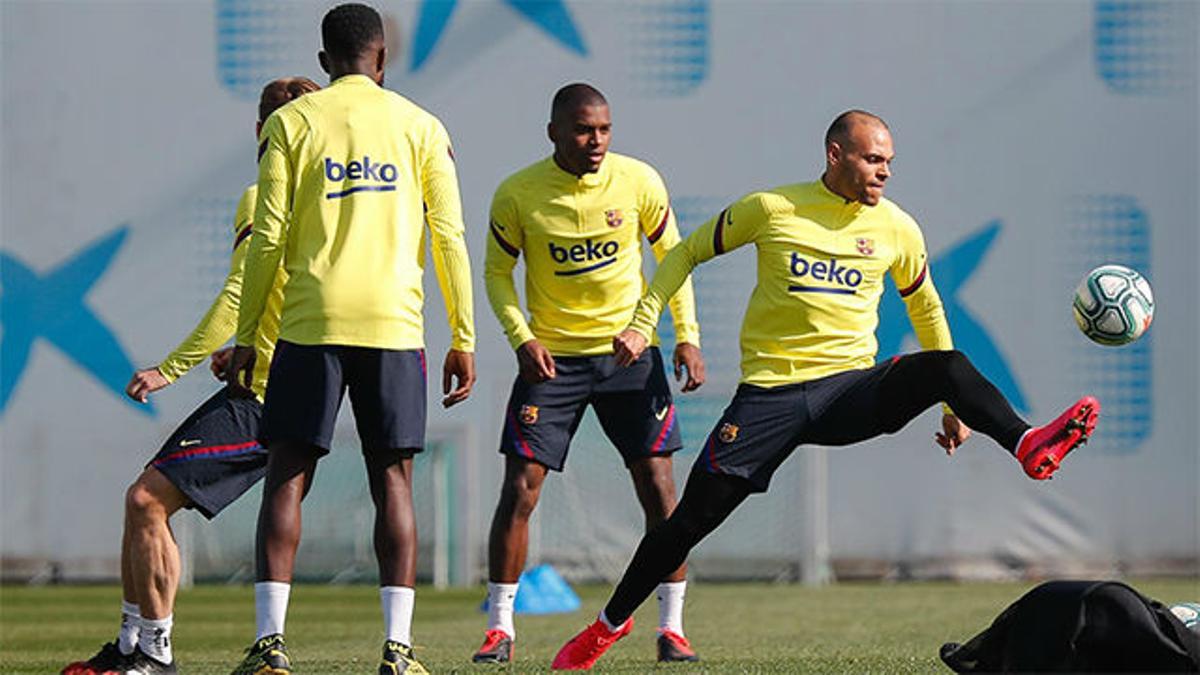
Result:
[762,426]
[633,404]
[215,456]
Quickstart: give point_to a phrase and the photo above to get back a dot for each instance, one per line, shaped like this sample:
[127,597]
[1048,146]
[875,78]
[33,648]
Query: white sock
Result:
[608,624]
[155,638]
[670,606]
[1022,440]
[270,607]
[501,598]
[127,636]
[397,604]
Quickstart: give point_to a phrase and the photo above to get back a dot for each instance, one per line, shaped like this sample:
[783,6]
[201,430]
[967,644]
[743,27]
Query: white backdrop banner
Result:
[1034,141]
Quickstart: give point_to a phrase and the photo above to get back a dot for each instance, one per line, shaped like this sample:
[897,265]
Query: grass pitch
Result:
[735,627]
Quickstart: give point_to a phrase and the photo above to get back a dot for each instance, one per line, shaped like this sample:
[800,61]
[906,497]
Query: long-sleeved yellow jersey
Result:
[219,321]
[821,266]
[348,178]
[581,238]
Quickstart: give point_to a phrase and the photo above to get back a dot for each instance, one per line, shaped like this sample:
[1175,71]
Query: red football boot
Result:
[1043,448]
[583,649]
[673,647]
[497,648]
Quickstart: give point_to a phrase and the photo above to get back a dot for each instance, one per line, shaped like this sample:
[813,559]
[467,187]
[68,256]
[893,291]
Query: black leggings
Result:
[909,386]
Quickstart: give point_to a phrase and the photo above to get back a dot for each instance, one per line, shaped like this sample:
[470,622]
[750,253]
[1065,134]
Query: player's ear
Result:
[833,152]
[258,129]
[550,132]
[381,59]
[323,59]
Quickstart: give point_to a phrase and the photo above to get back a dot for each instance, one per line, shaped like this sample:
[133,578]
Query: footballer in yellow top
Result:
[809,374]
[210,460]
[349,187]
[578,218]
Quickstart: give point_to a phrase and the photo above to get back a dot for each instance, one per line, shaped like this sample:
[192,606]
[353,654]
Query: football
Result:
[1188,613]
[1113,305]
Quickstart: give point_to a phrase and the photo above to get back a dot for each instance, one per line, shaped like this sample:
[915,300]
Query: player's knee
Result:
[141,502]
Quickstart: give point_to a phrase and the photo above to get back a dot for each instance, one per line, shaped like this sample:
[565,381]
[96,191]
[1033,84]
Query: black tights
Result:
[908,387]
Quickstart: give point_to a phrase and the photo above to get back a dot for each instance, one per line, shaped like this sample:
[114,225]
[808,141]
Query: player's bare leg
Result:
[508,541]
[654,482]
[153,557]
[508,545]
[389,473]
[290,471]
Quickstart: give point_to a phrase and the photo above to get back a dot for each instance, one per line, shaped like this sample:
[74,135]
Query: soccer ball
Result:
[1188,613]
[1113,305]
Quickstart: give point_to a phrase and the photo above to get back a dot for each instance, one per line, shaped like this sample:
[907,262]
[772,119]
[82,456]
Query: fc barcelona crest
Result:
[865,246]
[728,433]
[529,414]
[614,217]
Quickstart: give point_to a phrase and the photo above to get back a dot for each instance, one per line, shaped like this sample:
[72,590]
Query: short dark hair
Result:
[573,96]
[841,124]
[348,30]
[278,92]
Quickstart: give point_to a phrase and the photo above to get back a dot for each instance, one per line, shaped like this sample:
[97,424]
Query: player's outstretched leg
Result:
[914,382]
[707,501]
[1043,448]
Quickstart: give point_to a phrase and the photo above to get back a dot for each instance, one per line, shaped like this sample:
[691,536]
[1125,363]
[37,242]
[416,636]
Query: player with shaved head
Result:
[579,217]
[809,374]
[210,460]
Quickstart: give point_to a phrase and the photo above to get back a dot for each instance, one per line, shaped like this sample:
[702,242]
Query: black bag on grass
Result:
[1093,626]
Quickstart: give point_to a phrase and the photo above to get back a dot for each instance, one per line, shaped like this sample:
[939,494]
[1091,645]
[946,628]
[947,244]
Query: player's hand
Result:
[144,382]
[239,372]
[628,346]
[688,356]
[953,433]
[534,362]
[460,366]
[220,361]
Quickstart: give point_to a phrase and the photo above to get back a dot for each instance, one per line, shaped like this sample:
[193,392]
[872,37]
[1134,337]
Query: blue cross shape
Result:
[51,306]
[549,15]
[951,270]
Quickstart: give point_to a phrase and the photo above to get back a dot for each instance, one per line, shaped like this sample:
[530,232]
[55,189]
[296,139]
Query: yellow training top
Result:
[218,323]
[821,262]
[348,177]
[583,254]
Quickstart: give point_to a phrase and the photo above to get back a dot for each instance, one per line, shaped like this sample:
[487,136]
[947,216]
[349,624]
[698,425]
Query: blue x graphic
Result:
[951,270]
[549,15]
[51,306]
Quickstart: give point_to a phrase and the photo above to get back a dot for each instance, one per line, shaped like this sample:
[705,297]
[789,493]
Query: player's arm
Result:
[910,271]
[505,241]
[443,214]
[214,329]
[733,227]
[276,184]
[658,224]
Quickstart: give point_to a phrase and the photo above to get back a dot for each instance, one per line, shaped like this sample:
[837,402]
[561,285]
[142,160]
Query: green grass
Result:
[735,627]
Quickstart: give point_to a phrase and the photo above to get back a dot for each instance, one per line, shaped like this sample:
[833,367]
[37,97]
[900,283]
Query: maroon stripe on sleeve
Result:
[718,243]
[508,248]
[654,236]
[911,288]
[241,236]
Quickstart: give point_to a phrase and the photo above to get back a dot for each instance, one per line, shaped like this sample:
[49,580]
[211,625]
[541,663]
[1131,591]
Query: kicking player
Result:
[808,354]
[210,460]
[348,178]
[579,217]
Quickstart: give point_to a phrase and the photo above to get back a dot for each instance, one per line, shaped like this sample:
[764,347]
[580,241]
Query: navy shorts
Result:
[215,456]
[307,382]
[633,404]
[762,426]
